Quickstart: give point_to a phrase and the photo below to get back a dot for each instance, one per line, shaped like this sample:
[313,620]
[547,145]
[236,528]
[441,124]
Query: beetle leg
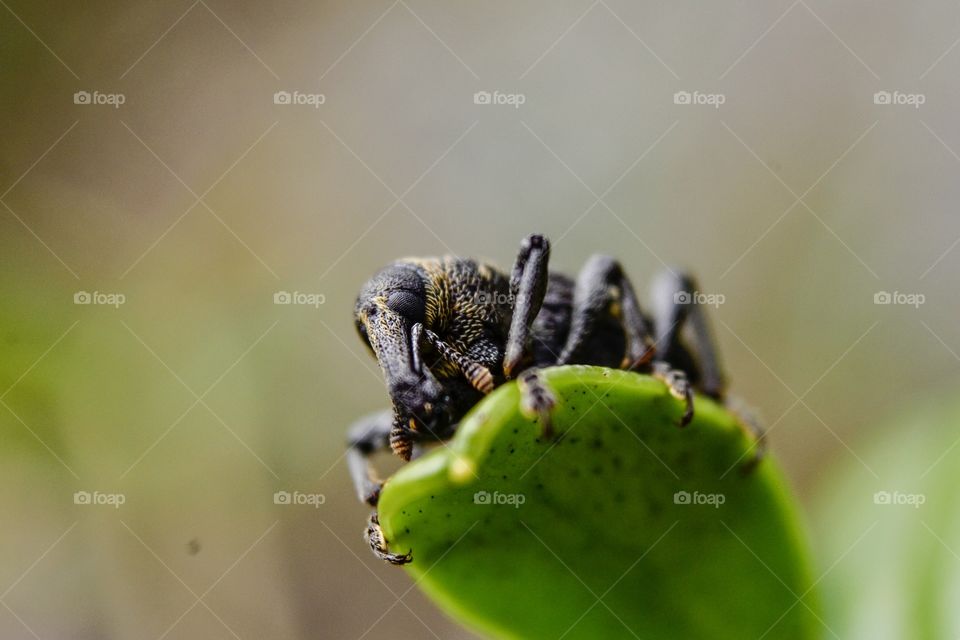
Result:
[528,286]
[536,399]
[600,285]
[675,306]
[367,436]
[680,387]
[374,537]
[480,376]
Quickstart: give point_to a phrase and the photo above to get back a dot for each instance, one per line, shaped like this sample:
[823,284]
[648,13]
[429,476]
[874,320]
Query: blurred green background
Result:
[199,198]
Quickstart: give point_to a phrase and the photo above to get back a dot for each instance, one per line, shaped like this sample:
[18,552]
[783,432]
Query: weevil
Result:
[447,331]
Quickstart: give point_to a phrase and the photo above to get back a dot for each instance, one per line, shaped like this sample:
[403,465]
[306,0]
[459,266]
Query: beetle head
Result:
[387,311]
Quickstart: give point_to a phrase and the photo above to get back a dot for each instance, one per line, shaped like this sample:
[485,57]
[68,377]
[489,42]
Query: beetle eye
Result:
[407,304]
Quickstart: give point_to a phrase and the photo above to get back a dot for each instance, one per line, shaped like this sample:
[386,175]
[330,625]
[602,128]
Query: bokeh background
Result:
[199,198]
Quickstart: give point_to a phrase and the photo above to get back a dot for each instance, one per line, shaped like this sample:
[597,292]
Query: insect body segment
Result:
[446,331]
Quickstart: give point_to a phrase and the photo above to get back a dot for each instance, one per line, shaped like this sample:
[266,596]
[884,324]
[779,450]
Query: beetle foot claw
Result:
[680,387]
[536,400]
[374,537]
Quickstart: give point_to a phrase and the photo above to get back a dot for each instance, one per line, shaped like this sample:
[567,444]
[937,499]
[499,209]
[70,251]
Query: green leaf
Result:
[581,536]
[889,528]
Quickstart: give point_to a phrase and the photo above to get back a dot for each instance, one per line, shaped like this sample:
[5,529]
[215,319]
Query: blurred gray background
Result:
[797,200]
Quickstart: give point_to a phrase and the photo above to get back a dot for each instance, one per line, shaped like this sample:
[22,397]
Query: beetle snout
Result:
[421,397]
[416,393]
